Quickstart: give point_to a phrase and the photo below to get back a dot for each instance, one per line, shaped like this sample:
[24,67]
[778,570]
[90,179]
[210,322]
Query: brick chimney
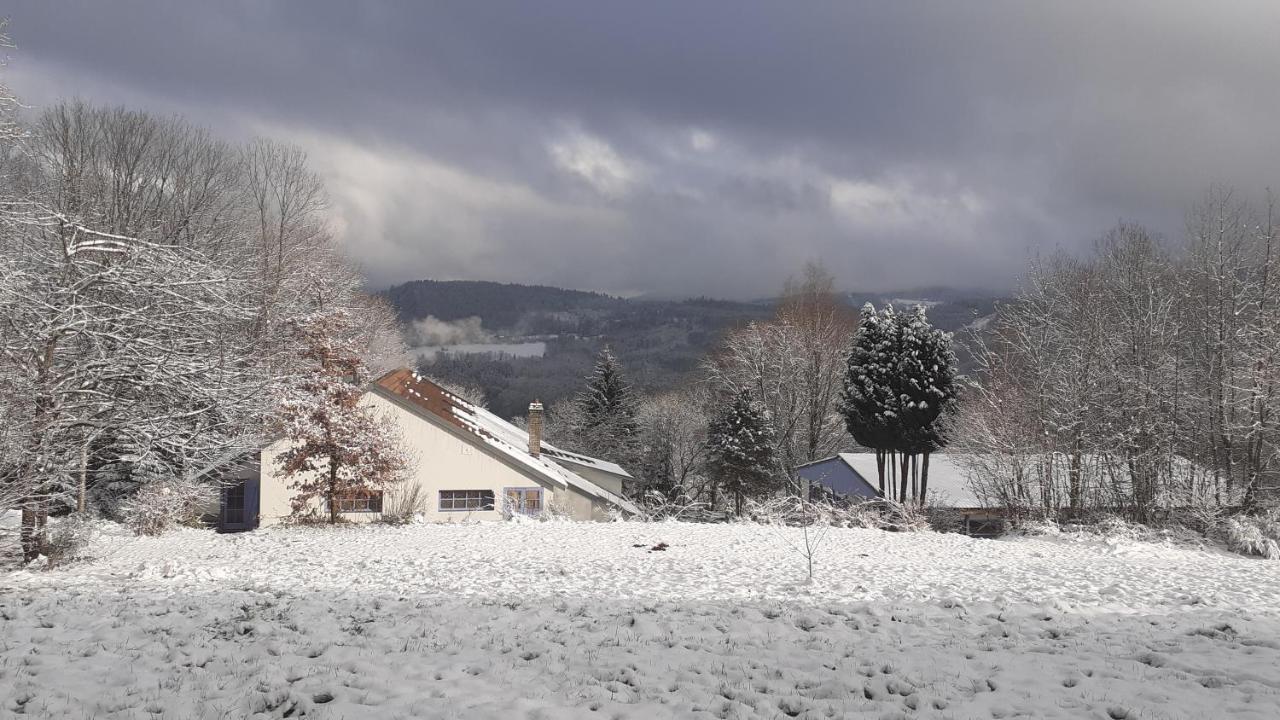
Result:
[535,428]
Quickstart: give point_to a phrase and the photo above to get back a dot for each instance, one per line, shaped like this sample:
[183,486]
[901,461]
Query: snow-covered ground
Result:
[551,620]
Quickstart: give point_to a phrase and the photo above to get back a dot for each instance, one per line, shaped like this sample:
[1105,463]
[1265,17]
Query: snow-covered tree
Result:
[793,363]
[741,450]
[900,381]
[869,400]
[927,393]
[337,448]
[146,274]
[604,414]
[1141,376]
[673,447]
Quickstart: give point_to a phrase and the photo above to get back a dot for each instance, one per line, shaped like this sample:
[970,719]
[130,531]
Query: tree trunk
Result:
[924,478]
[915,479]
[84,469]
[333,492]
[1074,475]
[892,461]
[902,478]
[30,531]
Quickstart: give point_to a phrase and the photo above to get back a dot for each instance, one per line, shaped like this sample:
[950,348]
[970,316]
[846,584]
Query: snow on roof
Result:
[948,484]
[499,434]
[584,460]
[950,473]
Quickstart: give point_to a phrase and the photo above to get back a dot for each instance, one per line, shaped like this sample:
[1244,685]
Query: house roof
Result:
[583,460]
[482,427]
[834,474]
[969,481]
[948,484]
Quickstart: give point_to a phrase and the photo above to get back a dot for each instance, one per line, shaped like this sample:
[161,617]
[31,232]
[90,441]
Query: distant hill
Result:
[660,341]
[498,305]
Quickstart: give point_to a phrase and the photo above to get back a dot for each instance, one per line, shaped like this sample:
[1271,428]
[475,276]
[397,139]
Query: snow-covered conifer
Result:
[741,449]
[900,380]
[604,416]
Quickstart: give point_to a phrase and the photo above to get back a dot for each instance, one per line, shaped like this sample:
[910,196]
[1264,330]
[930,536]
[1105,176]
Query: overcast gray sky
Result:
[705,147]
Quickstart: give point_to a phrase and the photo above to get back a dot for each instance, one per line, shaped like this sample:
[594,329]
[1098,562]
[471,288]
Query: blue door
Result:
[238,509]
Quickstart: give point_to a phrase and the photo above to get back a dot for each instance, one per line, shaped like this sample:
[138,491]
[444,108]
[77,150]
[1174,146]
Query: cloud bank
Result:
[705,148]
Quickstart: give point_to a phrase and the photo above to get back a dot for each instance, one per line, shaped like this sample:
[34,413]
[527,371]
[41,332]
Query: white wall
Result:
[440,460]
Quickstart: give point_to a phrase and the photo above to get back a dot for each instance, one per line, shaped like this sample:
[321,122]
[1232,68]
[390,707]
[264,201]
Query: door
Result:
[239,506]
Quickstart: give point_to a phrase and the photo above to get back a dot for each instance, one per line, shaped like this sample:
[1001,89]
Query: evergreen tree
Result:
[869,398]
[337,448]
[927,389]
[604,422]
[900,380]
[741,456]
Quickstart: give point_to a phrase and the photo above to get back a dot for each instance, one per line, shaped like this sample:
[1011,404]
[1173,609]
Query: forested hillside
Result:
[660,342]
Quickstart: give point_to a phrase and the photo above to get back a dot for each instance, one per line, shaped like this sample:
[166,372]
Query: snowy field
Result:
[563,620]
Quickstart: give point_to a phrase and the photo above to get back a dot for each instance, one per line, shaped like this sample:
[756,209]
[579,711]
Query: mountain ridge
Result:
[661,342]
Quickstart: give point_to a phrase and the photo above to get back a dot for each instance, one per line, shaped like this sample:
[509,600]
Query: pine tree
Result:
[604,421]
[869,398]
[337,448]
[741,455]
[900,380]
[927,389]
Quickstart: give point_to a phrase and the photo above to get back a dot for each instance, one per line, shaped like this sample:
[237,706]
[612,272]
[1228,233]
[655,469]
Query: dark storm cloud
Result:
[705,147]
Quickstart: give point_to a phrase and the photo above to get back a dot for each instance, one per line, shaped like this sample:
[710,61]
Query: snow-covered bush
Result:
[791,510]
[556,510]
[67,539]
[1258,535]
[159,506]
[657,506]
[1036,527]
[903,517]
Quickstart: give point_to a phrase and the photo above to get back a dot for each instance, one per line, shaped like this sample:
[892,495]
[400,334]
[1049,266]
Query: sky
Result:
[704,148]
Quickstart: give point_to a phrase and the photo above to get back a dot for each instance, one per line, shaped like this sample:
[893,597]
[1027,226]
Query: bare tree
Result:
[147,273]
[1141,378]
[673,431]
[794,365]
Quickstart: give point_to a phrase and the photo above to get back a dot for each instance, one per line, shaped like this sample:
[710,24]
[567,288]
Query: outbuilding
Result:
[854,476]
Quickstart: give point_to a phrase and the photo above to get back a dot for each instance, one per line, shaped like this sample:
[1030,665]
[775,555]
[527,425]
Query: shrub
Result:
[1036,527]
[159,506]
[1257,535]
[67,539]
[790,510]
[556,510]
[903,517]
[656,506]
[404,504]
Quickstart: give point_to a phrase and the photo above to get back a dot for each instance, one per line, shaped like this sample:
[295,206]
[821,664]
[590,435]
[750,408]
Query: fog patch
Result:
[432,331]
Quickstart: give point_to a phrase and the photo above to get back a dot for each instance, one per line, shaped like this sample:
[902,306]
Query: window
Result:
[525,501]
[362,502]
[461,500]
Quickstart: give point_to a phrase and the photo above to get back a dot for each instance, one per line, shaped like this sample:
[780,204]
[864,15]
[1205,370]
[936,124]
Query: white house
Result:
[467,464]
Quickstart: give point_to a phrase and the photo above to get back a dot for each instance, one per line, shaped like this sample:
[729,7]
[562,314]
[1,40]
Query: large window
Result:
[523,501]
[364,502]
[464,500]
